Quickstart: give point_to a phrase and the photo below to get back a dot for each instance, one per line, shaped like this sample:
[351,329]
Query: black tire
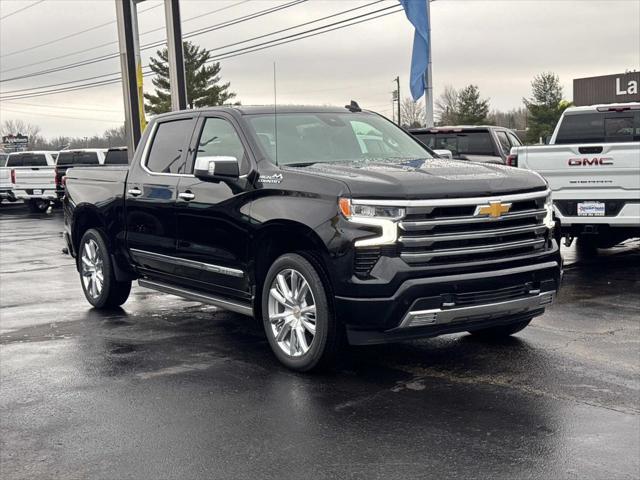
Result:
[502,331]
[38,205]
[327,341]
[112,293]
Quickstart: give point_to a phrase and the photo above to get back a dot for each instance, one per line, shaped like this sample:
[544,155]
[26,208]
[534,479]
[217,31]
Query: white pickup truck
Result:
[33,178]
[592,164]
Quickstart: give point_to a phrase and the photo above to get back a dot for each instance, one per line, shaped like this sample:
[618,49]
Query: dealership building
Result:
[617,88]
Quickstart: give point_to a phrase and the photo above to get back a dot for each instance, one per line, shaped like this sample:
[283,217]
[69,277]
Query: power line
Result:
[233,44]
[21,9]
[61,116]
[71,35]
[63,107]
[218,26]
[95,47]
[250,49]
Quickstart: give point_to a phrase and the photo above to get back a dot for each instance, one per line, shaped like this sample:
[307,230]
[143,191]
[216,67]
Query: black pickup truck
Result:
[327,224]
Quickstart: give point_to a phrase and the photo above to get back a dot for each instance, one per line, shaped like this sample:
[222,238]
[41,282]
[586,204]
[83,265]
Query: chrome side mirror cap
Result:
[443,153]
[216,168]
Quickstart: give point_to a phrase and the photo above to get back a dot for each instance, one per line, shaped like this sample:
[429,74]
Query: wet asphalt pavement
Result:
[168,388]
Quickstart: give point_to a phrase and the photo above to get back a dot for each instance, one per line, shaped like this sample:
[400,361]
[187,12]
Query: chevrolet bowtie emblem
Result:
[494,209]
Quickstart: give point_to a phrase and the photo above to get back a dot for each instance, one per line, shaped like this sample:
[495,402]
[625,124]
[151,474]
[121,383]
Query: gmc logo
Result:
[586,162]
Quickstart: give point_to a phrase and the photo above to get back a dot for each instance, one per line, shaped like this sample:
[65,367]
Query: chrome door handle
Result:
[186,196]
[134,191]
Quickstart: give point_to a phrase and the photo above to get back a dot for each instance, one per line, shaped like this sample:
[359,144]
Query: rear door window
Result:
[166,154]
[27,160]
[504,141]
[515,141]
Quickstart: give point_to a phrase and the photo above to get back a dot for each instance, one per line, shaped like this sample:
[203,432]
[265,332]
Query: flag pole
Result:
[428,91]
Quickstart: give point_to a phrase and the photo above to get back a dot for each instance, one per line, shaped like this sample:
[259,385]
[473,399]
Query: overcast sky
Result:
[498,45]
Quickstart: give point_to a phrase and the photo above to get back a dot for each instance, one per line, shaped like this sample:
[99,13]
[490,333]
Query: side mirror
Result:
[442,153]
[210,168]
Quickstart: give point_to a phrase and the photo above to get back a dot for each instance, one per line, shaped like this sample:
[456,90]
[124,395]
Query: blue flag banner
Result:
[416,11]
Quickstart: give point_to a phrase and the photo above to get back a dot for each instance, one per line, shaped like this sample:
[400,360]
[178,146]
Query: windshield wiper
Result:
[299,164]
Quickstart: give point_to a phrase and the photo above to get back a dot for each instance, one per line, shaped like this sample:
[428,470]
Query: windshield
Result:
[77,158]
[306,138]
[460,143]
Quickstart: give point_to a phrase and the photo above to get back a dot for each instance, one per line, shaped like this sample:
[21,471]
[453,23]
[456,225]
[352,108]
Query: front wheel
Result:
[300,325]
[99,284]
[502,331]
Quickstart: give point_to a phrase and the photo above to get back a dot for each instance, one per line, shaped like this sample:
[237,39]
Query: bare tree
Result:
[15,127]
[412,113]
[447,106]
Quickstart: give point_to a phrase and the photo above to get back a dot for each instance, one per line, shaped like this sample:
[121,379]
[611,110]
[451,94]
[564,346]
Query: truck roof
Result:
[84,150]
[456,127]
[604,106]
[34,151]
[265,109]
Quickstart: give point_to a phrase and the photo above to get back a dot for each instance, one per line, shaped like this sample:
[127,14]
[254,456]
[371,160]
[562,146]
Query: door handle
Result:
[186,196]
[135,191]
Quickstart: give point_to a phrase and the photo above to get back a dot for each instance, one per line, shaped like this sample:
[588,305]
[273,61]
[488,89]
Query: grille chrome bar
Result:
[431,239]
[424,224]
[421,257]
[440,202]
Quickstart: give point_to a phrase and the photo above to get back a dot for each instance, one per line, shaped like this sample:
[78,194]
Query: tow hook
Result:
[568,240]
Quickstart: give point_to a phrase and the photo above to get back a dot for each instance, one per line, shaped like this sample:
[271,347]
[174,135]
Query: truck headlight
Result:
[384,217]
[549,222]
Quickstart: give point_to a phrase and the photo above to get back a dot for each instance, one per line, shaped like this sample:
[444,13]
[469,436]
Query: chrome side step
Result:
[244,309]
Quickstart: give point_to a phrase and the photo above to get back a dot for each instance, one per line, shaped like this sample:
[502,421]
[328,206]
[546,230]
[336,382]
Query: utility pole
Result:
[398,86]
[131,66]
[177,79]
[428,92]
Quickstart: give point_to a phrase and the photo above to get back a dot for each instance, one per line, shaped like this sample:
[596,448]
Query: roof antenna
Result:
[275,113]
[353,106]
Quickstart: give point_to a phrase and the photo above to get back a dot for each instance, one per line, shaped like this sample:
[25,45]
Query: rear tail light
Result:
[512,160]
[55,177]
[13,176]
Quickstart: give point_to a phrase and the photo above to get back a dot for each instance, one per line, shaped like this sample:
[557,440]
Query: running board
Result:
[244,309]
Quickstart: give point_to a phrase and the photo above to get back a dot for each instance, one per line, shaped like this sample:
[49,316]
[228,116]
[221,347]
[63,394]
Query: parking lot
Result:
[168,388]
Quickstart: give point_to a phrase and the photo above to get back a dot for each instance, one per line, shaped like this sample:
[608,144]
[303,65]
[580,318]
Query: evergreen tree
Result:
[544,107]
[471,109]
[203,81]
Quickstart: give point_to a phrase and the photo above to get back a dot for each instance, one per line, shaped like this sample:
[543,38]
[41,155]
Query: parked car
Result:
[33,178]
[84,157]
[313,235]
[6,186]
[592,165]
[476,143]
[117,156]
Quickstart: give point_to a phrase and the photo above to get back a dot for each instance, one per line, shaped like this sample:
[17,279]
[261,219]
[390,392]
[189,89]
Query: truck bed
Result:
[97,185]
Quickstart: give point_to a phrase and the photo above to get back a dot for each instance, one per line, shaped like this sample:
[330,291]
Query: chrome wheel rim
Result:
[91,268]
[292,312]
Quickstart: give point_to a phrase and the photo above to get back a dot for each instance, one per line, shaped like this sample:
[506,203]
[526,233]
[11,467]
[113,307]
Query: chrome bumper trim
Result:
[438,316]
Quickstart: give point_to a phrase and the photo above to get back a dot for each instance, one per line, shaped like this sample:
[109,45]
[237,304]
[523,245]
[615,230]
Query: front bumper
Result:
[454,303]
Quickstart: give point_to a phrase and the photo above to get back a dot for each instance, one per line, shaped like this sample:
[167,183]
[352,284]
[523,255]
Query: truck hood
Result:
[427,178]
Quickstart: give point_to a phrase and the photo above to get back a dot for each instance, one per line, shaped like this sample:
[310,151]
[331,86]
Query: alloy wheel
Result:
[292,312]
[92,269]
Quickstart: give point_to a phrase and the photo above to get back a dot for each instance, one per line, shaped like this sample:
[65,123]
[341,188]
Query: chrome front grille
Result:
[450,232]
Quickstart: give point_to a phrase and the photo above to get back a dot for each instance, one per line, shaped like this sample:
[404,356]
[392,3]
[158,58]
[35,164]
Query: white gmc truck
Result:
[592,164]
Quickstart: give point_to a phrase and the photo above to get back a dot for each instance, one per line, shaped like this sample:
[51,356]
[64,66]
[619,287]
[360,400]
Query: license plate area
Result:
[37,191]
[591,209]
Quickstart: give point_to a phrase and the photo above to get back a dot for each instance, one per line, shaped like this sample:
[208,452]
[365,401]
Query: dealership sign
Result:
[15,143]
[618,88]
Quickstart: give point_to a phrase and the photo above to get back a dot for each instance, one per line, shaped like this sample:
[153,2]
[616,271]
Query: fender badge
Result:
[275,178]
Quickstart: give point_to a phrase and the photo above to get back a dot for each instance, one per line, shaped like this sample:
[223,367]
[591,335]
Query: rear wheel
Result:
[501,331]
[99,284]
[299,323]
[38,205]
